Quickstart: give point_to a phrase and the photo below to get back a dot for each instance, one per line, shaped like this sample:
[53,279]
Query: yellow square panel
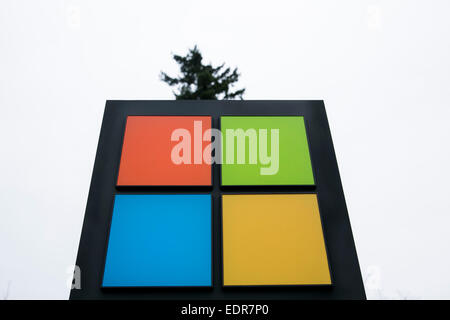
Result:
[273,239]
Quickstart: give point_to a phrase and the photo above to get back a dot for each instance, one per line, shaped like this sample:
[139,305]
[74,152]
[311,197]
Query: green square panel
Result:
[265,150]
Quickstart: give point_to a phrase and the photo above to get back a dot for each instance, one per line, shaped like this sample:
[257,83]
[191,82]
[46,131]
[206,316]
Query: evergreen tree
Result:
[199,81]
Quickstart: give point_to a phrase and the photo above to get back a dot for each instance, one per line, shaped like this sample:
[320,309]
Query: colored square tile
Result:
[148,149]
[281,138]
[159,240]
[273,239]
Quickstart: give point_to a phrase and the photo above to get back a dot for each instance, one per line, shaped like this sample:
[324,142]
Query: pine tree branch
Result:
[199,81]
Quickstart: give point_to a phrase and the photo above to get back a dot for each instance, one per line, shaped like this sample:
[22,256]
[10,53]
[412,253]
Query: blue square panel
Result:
[159,241]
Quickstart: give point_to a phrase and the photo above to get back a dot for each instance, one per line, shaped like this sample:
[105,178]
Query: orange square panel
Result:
[166,151]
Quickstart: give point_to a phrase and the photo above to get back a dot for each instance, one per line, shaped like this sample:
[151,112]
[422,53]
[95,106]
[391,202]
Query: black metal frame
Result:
[341,251]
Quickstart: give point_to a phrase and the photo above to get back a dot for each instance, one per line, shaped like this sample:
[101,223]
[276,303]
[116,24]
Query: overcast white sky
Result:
[382,67]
